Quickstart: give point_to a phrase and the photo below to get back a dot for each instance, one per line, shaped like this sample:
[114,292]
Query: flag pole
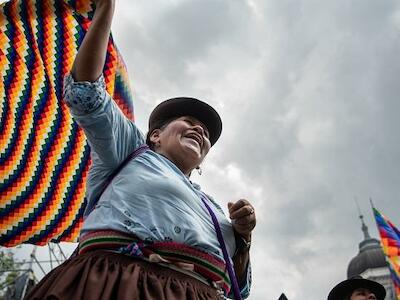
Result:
[372,204]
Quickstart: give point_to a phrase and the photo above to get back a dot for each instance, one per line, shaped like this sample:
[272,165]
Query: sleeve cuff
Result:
[83,97]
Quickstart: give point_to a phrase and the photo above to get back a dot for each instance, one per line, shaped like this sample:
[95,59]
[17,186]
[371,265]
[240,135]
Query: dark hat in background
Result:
[185,106]
[346,287]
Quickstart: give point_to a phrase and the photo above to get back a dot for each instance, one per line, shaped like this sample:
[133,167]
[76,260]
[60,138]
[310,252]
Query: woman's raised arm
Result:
[89,61]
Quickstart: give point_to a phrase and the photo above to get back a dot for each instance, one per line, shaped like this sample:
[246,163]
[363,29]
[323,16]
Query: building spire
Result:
[368,242]
[364,227]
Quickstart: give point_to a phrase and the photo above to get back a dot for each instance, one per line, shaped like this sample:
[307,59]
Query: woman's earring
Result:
[199,170]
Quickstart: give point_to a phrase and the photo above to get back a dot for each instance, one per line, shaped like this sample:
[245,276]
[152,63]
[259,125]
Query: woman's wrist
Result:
[243,243]
[247,237]
[104,9]
[104,3]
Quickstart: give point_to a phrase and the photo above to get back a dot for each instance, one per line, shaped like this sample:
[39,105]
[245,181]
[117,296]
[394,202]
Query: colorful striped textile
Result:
[390,239]
[204,264]
[44,156]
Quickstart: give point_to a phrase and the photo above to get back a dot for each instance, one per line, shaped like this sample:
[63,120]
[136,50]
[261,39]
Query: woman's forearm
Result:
[90,59]
[241,261]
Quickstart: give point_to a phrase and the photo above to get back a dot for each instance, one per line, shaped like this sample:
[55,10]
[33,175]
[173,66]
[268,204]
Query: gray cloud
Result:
[309,97]
[307,91]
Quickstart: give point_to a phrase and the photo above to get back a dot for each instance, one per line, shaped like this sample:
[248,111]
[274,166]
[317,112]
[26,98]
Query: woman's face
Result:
[362,294]
[184,141]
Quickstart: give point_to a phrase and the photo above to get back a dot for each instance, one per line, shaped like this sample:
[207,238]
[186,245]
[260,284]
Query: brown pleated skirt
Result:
[106,275]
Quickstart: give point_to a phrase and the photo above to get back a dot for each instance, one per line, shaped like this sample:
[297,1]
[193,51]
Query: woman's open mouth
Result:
[196,137]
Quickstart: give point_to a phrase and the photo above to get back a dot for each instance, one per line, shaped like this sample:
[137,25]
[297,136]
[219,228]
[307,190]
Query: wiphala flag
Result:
[44,156]
[390,240]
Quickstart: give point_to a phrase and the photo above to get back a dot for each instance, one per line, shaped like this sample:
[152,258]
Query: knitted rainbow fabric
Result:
[44,156]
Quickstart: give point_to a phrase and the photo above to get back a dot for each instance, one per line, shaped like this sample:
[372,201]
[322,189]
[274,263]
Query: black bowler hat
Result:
[345,288]
[185,106]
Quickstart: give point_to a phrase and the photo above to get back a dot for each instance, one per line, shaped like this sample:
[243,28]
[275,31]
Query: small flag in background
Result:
[390,239]
[44,156]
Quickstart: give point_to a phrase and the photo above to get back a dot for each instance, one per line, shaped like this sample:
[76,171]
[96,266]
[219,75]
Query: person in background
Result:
[357,288]
[149,232]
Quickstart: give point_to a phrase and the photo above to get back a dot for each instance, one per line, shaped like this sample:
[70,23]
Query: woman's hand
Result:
[243,217]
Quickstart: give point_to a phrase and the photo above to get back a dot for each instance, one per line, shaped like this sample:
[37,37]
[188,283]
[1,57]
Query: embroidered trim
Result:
[84,96]
[205,264]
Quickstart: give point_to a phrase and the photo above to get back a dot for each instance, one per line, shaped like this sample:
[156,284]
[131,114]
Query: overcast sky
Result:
[308,96]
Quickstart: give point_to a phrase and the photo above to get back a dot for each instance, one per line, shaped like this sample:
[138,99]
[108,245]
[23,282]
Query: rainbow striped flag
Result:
[44,156]
[390,239]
